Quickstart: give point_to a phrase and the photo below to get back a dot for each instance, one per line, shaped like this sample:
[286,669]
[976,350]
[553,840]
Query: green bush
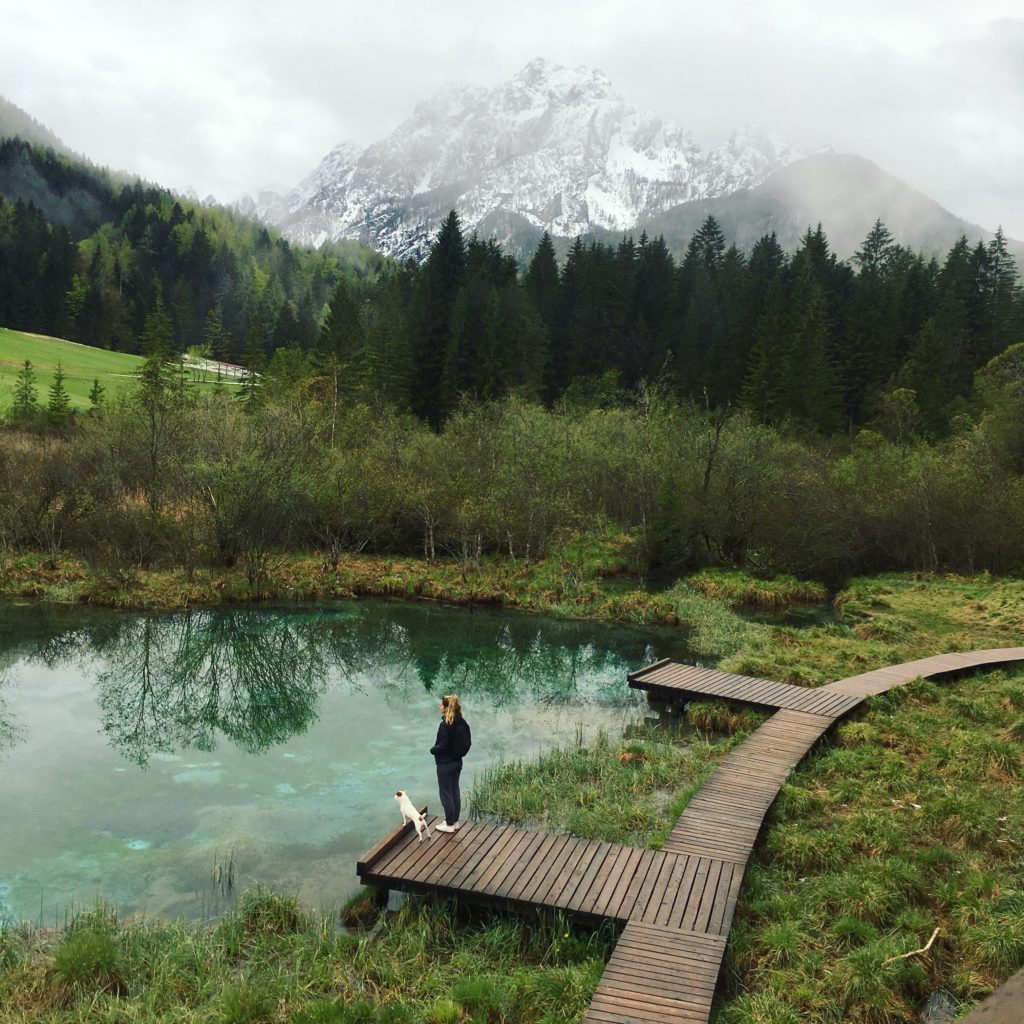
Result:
[484,997]
[89,961]
[261,910]
[444,1011]
[247,1004]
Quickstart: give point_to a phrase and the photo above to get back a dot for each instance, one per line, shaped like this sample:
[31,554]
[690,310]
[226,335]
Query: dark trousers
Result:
[448,785]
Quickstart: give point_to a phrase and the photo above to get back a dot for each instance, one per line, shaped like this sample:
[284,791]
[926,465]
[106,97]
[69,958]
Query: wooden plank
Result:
[681,886]
[556,879]
[466,875]
[665,891]
[527,878]
[710,895]
[473,841]
[568,877]
[613,864]
[408,854]
[583,894]
[418,868]
[555,855]
[452,851]
[501,859]
[607,899]
[504,883]
[689,914]
[649,861]
[654,886]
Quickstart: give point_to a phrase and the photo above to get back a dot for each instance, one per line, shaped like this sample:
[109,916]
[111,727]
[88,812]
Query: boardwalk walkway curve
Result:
[677,903]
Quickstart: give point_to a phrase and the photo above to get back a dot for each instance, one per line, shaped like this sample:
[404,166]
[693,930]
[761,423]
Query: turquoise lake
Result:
[142,757]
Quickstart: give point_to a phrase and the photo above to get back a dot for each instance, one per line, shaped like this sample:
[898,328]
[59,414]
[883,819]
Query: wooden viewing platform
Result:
[677,903]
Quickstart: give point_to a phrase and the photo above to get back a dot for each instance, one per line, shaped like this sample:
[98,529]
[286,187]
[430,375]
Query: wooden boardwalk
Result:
[677,903]
[668,679]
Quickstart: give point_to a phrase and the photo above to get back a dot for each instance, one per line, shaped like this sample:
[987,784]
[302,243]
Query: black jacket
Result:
[450,738]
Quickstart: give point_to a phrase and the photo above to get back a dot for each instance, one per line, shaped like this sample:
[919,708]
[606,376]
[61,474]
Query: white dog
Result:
[409,813]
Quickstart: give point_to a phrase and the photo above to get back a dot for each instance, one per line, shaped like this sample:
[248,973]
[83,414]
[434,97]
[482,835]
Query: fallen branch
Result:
[913,952]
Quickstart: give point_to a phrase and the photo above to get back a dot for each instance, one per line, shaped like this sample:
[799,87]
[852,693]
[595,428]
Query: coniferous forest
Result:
[772,411]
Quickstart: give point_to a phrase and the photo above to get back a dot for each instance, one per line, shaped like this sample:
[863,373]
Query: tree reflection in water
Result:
[9,731]
[167,683]
[176,682]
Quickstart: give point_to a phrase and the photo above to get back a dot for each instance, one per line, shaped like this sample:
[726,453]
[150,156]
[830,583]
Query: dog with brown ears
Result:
[409,813]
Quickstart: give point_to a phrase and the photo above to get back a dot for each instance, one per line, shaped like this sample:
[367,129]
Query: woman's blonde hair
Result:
[452,707]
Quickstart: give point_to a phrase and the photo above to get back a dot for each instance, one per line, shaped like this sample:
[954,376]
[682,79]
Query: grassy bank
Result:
[910,817]
[270,961]
[82,364]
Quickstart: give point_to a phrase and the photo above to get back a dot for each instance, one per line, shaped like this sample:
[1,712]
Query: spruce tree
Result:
[811,386]
[25,410]
[96,394]
[388,370]
[215,334]
[158,332]
[343,334]
[254,359]
[58,408]
[764,385]
[443,275]
[541,283]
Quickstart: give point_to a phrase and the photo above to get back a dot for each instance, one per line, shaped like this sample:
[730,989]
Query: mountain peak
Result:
[552,148]
[544,74]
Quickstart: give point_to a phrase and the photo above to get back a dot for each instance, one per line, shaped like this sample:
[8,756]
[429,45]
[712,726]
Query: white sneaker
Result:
[445,827]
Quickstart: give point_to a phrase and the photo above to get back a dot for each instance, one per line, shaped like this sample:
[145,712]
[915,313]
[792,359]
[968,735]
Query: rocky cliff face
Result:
[553,149]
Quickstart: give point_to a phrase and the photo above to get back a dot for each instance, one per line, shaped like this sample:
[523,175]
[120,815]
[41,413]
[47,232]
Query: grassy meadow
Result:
[909,817]
[82,364]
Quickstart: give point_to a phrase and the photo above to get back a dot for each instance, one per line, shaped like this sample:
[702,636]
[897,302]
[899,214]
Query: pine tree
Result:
[25,410]
[158,333]
[1002,297]
[254,359]
[763,391]
[869,355]
[443,275]
[215,334]
[934,369]
[811,386]
[388,360]
[541,283]
[707,247]
[58,409]
[343,335]
[96,394]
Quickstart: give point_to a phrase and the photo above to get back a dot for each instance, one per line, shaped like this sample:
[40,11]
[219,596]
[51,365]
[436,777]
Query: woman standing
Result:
[452,745]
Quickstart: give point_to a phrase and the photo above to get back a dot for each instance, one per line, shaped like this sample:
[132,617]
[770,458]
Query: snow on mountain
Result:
[553,149]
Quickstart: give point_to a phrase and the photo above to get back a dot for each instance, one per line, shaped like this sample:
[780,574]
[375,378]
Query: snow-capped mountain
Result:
[553,149]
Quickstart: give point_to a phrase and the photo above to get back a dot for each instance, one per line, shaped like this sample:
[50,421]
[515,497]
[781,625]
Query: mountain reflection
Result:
[255,677]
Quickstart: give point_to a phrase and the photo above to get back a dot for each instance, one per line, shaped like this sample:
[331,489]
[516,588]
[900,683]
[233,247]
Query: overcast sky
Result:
[227,97]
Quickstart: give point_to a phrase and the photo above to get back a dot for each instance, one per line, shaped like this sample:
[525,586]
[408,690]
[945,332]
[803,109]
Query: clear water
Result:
[143,758]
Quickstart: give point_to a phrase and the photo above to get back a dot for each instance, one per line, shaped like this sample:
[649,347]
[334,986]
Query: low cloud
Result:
[229,97]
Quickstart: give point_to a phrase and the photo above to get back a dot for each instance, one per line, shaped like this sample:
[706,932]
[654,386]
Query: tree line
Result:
[806,338]
[86,257]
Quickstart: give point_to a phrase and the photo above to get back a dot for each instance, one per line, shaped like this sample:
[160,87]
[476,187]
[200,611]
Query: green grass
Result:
[82,365]
[911,819]
[428,962]
[616,790]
